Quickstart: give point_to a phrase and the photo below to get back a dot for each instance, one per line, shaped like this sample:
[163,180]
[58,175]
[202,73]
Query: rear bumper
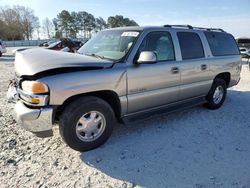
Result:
[37,121]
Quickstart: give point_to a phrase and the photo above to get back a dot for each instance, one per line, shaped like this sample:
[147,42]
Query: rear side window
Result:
[190,44]
[222,44]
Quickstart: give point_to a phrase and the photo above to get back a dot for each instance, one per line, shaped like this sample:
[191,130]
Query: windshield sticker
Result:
[130,34]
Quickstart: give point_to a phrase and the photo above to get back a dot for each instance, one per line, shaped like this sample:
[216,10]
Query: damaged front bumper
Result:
[37,121]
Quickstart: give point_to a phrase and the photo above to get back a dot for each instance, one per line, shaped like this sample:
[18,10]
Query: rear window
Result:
[222,44]
[190,44]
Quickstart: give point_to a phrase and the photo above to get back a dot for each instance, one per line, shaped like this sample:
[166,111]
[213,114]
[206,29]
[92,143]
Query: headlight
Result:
[34,87]
[34,93]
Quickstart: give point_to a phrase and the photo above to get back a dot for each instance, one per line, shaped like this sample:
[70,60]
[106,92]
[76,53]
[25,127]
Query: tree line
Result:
[19,23]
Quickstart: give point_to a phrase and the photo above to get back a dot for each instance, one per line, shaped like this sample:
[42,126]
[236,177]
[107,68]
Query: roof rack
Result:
[179,26]
[191,27]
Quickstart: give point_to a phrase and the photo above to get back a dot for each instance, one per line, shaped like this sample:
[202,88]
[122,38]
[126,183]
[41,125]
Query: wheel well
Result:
[109,96]
[224,76]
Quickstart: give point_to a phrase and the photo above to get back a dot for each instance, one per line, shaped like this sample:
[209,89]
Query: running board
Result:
[166,109]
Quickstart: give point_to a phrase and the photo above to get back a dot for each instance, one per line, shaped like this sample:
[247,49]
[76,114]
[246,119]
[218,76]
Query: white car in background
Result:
[244,45]
[2,48]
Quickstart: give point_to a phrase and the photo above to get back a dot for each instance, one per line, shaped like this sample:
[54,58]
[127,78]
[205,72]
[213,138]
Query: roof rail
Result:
[180,26]
[191,27]
[210,29]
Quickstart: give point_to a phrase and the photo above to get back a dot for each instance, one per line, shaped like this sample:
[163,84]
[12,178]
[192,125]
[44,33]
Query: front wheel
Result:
[216,95]
[87,123]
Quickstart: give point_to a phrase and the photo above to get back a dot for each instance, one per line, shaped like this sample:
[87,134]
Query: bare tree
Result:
[20,22]
[38,26]
[28,20]
[11,20]
[48,27]
[3,29]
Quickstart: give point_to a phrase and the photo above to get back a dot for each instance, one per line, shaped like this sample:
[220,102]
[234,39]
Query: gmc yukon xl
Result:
[122,74]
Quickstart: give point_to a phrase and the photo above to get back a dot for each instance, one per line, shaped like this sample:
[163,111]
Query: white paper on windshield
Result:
[130,34]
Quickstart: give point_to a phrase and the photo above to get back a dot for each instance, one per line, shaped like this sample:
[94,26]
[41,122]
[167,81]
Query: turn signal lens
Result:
[35,100]
[34,87]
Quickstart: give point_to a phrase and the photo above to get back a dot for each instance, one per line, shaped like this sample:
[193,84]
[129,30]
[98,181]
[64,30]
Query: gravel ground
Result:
[193,148]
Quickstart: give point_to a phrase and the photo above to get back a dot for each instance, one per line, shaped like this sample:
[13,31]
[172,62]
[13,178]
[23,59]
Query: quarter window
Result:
[191,46]
[222,44]
[160,43]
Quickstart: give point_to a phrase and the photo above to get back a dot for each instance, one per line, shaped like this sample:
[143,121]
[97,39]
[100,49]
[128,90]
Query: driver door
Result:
[158,84]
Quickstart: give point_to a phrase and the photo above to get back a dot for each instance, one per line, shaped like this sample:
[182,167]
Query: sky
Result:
[230,15]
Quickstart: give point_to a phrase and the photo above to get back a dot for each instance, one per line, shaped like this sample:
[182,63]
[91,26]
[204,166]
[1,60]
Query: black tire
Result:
[70,118]
[211,104]
[1,54]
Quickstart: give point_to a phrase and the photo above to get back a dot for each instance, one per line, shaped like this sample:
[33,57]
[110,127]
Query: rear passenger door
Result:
[194,66]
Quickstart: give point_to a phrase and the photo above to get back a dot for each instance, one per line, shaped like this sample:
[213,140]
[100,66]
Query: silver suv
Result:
[120,75]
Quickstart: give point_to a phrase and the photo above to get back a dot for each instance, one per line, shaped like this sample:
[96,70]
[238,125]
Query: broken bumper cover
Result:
[37,121]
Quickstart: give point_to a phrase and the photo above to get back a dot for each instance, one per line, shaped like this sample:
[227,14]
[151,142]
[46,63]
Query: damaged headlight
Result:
[34,93]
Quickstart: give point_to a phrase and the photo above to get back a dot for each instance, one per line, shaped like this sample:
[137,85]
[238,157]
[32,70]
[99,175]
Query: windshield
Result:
[111,44]
[53,44]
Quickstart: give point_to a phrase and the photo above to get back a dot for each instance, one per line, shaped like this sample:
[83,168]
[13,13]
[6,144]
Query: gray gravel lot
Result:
[192,148]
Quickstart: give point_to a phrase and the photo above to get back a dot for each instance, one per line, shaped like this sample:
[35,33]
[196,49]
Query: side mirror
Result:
[147,57]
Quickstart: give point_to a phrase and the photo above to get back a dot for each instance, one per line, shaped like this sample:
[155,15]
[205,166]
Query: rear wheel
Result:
[217,94]
[87,123]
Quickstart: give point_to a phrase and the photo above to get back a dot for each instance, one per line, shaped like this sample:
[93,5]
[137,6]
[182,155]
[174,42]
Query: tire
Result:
[1,54]
[215,101]
[80,130]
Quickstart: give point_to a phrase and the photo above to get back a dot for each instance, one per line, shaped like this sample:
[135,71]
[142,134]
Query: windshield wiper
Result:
[95,55]
[99,56]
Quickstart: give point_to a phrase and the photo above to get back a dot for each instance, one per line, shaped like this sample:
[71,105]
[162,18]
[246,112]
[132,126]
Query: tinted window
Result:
[222,44]
[190,44]
[244,42]
[160,43]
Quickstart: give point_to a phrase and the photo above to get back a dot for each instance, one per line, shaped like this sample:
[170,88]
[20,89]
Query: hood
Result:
[34,61]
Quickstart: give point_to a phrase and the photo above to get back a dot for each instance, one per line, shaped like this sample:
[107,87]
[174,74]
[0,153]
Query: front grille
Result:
[243,50]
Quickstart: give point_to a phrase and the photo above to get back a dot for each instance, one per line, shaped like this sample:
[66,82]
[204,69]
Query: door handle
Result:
[204,67]
[175,70]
